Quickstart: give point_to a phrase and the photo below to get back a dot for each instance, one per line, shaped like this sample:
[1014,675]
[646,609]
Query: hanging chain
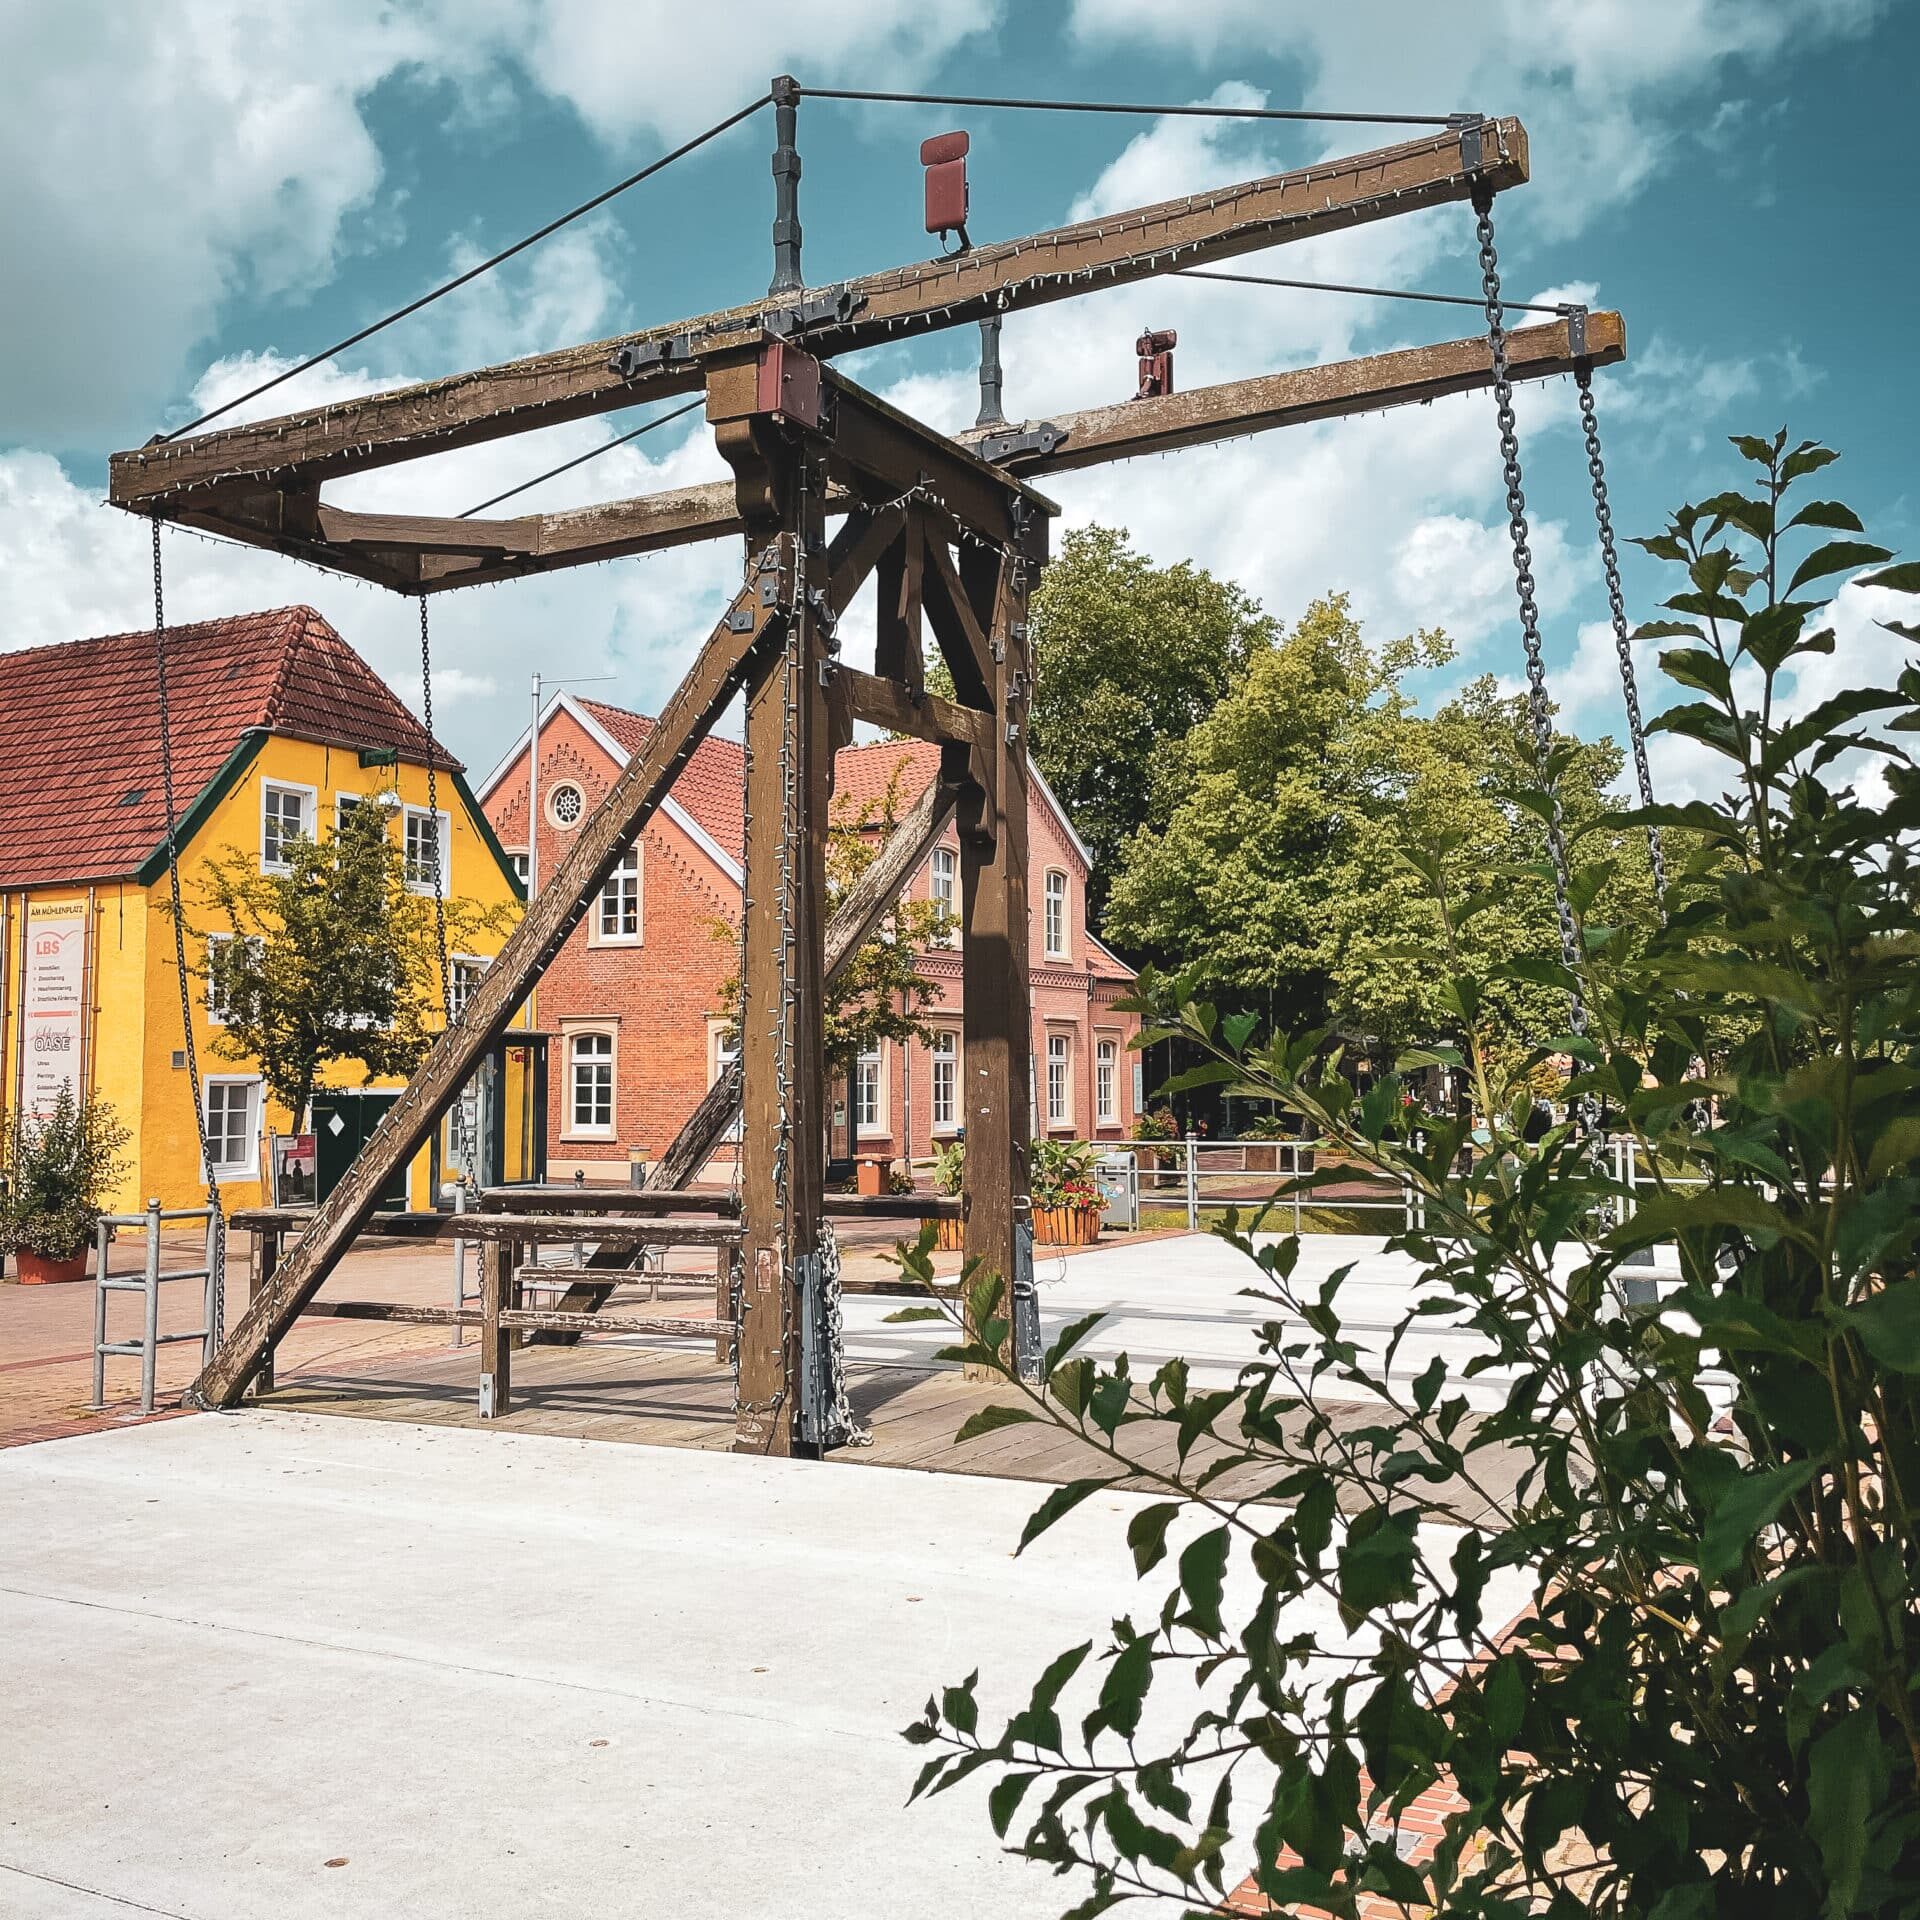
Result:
[1617,607]
[217,1243]
[1539,712]
[433,816]
[844,1428]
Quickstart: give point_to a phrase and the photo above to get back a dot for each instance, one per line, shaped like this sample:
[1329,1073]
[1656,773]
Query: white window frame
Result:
[949,899]
[247,1167]
[1056,948]
[1106,1081]
[343,803]
[572,1129]
[217,1012]
[943,1053]
[1061,1114]
[597,934]
[444,822]
[521,860]
[720,1056]
[548,805]
[456,999]
[309,808]
[870,1076]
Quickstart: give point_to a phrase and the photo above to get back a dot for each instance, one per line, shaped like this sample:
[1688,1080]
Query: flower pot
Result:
[949,1236]
[1066,1226]
[36,1270]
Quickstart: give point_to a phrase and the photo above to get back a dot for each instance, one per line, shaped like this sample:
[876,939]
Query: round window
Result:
[566,804]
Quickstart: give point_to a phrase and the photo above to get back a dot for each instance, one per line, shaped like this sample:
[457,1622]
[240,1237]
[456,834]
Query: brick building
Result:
[634,996]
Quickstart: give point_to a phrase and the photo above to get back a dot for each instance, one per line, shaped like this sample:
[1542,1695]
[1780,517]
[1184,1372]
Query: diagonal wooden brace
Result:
[759,612]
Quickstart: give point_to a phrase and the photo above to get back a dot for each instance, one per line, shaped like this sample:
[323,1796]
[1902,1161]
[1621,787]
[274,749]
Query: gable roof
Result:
[709,799]
[81,792]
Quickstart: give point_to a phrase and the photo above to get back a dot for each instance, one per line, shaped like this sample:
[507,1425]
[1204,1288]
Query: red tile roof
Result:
[80,782]
[711,786]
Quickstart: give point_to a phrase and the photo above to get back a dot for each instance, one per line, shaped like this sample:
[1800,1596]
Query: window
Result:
[867,1103]
[286,813]
[946,893]
[463,975]
[946,1081]
[1106,1082]
[619,915]
[426,851]
[343,806]
[219,1007]
[724,1050]
[590,1090]
[1059,1088]
[1056,916]
[233,1127]
[522,867]
[566,805]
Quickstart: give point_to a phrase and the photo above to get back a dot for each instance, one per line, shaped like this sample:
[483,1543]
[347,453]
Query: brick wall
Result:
[655,998]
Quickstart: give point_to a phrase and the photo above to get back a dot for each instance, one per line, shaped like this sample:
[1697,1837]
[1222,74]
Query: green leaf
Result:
[991,1420]
[1147,1534]
[1059,1503]
[1904,578]
[1747,1505]
[1070,1337]
[1843,1782]
[911,1313]
[1837,556]
[1806,459]
[1203,1573]
[1828,513]
[1376,1561]
[1888,1324]
[1004,1801]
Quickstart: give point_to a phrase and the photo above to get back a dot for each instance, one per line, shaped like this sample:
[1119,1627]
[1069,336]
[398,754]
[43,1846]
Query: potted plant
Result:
[949,1177]
[61,1166]
[1066,1202]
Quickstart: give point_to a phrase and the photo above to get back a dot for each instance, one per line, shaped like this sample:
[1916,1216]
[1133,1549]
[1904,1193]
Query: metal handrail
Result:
[152,1277]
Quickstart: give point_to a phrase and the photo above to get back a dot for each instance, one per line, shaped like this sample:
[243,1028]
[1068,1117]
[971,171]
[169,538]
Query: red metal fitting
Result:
[945,159]
[1155,349]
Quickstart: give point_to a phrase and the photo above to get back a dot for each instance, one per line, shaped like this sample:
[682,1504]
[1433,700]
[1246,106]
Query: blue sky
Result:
[201,191]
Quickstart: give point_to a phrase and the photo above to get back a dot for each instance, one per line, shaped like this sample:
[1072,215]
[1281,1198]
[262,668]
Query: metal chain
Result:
[1617,607]
[217,1253]
[433,815]
[1539,711]
[843,1425]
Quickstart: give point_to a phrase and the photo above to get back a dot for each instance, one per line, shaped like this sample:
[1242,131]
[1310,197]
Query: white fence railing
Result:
[1196,1172]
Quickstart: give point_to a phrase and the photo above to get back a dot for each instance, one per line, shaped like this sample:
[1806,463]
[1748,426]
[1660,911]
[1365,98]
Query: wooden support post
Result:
[996,998]
[260,1268]
[497,1259]
[781,481]
[723,1264]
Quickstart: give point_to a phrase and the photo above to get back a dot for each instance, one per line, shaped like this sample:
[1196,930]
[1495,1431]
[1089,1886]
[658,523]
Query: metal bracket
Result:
[1471,128]
[810,1404]
[741,619]
[1576,318]
[837,304]
[1041,439]
[646,356]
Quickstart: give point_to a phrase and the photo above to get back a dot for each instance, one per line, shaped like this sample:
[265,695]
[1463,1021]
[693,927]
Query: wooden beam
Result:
[1410,376]
[1111,250]
[996,994]
[754,618]
[957,628]
[886,703]
[552,1320]
[1096,436]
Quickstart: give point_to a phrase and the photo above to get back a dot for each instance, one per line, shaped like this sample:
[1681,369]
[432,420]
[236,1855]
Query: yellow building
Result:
[277,724]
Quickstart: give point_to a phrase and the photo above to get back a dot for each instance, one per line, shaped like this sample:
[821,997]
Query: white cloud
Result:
[1596,84]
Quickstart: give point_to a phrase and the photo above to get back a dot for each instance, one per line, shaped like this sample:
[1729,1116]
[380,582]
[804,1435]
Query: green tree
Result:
[1126,655]
[1277,866]
[1652,1609]
[334,959]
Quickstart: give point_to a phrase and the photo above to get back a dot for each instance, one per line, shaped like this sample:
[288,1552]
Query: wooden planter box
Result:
[949,1236]
[36,1270]
[1066,1226]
